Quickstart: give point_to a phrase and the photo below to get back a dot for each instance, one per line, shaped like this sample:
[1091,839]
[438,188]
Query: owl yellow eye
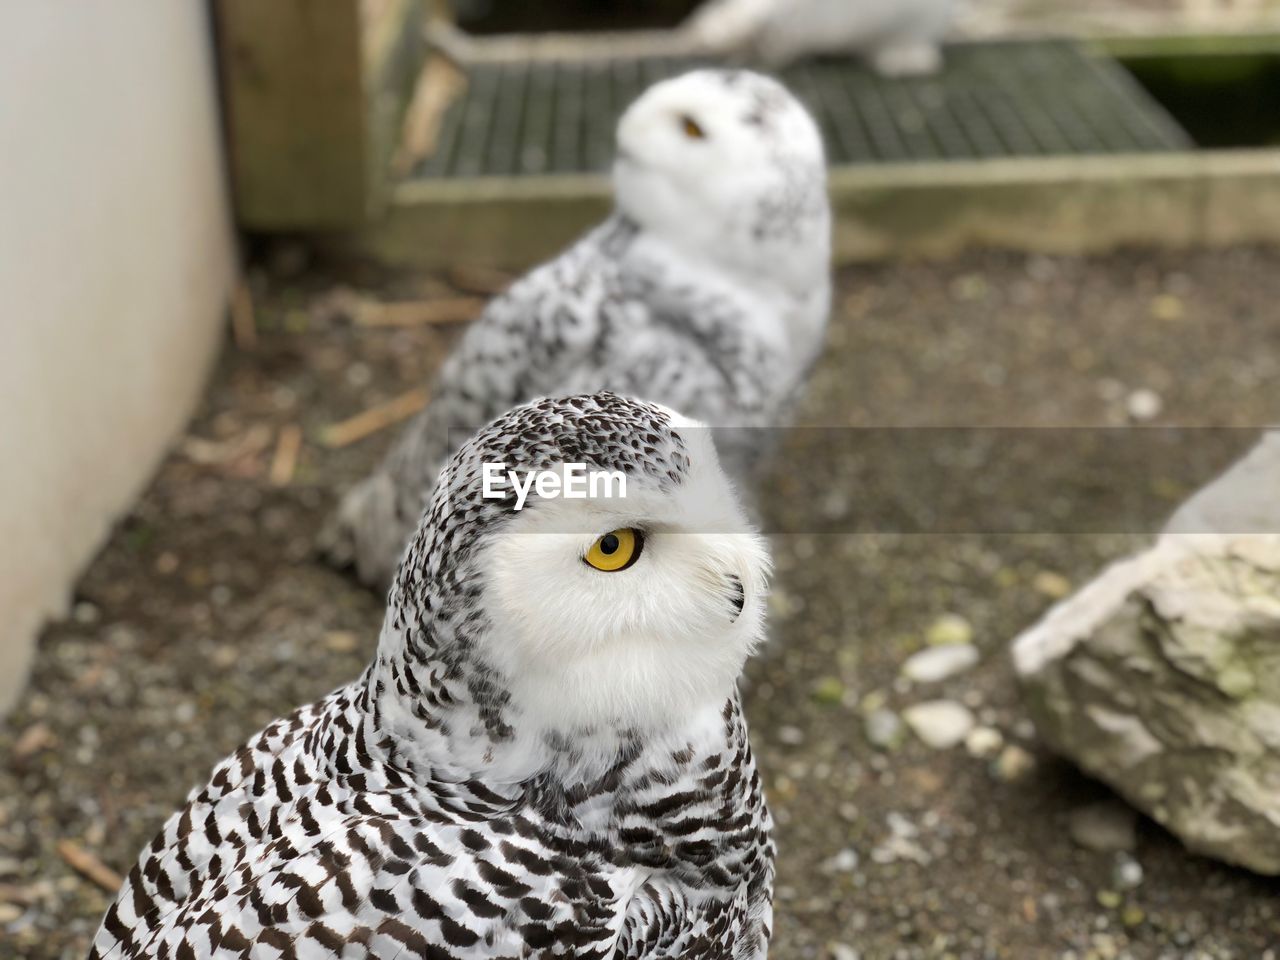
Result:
[616,551]
[692,129]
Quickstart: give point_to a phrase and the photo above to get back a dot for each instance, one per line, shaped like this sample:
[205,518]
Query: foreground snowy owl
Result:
[547,756]
[898,37]
[707,291]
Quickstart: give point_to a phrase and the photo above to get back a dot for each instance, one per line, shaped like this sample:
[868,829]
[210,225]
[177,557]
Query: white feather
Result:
[897,36]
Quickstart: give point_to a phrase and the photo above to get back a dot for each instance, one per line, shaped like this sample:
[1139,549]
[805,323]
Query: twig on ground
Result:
[285,461]
[419,313]
[88,866]
[374,419]
[482,281]
[21,896]
[221,452]
[31,741]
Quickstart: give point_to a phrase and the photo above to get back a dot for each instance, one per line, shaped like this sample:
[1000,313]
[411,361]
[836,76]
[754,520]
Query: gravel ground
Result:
[204,617]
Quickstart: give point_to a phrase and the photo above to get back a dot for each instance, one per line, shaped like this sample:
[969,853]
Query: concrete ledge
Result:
[119,262]
[509,223]
[1060,205]
[1190,44]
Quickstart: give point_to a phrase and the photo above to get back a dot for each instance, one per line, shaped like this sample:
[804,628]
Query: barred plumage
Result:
[500,782]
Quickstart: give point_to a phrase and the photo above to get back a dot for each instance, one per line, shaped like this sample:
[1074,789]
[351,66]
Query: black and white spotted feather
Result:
[544,760]
[707,290]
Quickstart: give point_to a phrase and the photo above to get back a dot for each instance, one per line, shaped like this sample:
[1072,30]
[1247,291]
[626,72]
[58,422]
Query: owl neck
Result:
[445,711]
[783,270]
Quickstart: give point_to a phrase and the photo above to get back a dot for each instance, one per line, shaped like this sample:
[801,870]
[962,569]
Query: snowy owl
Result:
[898,37]
[707,290]
[547,755]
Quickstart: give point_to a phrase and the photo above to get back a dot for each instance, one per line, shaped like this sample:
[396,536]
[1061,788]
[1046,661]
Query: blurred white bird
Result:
[897,37]
[707,290]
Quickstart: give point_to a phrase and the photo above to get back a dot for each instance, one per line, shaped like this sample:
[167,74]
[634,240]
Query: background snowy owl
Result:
[707,290]
[898,37]
[547,755]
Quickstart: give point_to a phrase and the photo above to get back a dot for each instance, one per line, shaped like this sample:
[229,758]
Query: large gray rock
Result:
[1162,678]
[1245,499]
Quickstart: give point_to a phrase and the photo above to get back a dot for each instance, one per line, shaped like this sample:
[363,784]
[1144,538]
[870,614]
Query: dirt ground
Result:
[205,616]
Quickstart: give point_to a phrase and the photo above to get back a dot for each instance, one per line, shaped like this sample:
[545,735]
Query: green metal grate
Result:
[993,99]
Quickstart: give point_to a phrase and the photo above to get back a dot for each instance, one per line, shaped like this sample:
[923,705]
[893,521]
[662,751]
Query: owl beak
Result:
[737,597]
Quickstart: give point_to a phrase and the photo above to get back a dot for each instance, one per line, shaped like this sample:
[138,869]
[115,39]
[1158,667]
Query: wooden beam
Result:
[1075,205]
[314,91]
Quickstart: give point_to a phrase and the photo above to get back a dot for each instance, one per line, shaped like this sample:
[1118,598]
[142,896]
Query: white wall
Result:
[116,259]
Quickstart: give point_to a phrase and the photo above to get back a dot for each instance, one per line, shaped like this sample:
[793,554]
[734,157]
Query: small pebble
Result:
[284,398]
[791,736]
[846,861]
[939,663]
[1110,389]
[85,613]
[983,742]
[1127,873]
[940,724]
[184,712]
[1167,307]
[842,951]
[341,641]
[359,375]
[1104,947]
[1013,764]
[973,699]
[224,656]
[1109,899]
[9,912]
[948,629]
[1133,916]
[884,729]
[828,691]
[1052,585]
[873,701]
[1105,827]
[1144,404]
[901,843]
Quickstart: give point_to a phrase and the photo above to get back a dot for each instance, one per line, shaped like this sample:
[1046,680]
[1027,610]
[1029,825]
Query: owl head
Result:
[729,167]
[584,564]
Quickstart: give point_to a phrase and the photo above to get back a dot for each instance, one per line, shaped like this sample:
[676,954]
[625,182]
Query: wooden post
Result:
[314,91]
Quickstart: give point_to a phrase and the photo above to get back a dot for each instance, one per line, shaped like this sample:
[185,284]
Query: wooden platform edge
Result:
[1069,205]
